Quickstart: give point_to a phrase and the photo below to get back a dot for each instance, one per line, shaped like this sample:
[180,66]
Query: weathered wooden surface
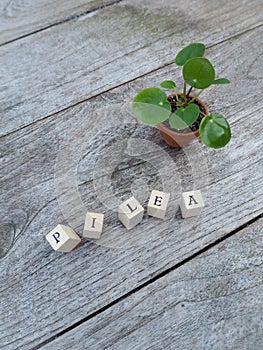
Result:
[20,18]
[213,302]
[97,275]
[86,58]
[60,165]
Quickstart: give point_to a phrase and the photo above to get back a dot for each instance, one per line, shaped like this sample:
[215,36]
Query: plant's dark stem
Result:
[189,91]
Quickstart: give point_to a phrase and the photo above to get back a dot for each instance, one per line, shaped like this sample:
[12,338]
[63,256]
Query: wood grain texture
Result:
[20,18]
[212,302]
[43,292]
[56,68]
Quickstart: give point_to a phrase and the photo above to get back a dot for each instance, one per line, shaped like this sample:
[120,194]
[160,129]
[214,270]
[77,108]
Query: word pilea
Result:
[130,213]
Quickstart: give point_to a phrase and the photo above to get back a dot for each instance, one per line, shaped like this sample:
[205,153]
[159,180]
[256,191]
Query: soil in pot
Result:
[179,138]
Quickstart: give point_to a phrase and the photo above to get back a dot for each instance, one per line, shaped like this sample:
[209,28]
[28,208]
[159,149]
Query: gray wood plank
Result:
[53,291]
[212,302]
[21,18]
[56,68]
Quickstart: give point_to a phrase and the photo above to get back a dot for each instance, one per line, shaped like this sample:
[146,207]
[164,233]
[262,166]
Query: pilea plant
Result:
[181,111]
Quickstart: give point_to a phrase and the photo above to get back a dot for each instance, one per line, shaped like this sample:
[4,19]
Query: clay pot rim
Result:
[196,132]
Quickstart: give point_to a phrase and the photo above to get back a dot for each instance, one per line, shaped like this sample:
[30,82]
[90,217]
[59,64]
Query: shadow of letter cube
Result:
[130,213]
[157,204]
[191,203]
[93,225]
[63,239]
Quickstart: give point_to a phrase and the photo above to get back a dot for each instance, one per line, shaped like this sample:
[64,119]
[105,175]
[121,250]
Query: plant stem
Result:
[169,117]
[199,93]
[189,91]
[176,96]
[184,93]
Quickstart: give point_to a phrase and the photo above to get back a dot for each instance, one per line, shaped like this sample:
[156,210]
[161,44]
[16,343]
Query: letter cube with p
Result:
[157,204]
[63,239]
[191,203]
[93,225]
[130,213]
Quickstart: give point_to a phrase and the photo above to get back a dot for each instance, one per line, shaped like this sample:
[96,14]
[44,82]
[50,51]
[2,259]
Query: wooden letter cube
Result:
[191,203]
[157,204]
[130,213]
[93,225]
[63,239]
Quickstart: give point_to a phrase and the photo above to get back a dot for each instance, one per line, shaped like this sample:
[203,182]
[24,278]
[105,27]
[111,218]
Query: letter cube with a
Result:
[93,225]
[191,203]
[130,213]
[157,204]
[63,239]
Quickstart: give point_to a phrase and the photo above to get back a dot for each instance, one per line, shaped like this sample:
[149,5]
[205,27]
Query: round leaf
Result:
[199,72]
[151,106]
[184,117]
[168,84]
[221,81]
[190,51]
[215,131]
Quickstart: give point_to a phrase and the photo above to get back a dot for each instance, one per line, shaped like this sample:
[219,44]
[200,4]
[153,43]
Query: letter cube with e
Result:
[93,225]
[130,213]
[191,203]
[157,204]
[63,239]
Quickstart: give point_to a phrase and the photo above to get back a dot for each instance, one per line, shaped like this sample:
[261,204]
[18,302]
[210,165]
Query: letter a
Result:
[192,200]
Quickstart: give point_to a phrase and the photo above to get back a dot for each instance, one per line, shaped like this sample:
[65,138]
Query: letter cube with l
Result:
[130,213]
[63,239]
[93,225]
[157,204]
[191,203]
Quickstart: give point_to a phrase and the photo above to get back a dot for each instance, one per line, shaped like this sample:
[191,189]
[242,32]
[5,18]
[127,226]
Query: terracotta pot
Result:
[178,139]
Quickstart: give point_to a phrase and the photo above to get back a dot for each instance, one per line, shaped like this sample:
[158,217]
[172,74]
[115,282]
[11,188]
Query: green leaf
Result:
[168,84]
[184,117]
[151,106]
[199,72]
[215,131]
[190,51]
[221,81]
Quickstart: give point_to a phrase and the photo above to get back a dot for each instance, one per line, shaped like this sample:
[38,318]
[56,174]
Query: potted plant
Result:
[183,116]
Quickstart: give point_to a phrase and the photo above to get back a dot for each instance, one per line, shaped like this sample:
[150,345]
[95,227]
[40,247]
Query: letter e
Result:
[158,201]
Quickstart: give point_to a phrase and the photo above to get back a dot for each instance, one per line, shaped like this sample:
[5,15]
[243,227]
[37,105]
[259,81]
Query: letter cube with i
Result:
[130,213]
[157,204]
[93,225]
[63,239]
[191,203]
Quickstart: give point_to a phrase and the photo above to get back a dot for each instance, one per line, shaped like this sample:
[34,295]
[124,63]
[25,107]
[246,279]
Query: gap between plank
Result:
[150,281]
[128,81]
[67,19]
